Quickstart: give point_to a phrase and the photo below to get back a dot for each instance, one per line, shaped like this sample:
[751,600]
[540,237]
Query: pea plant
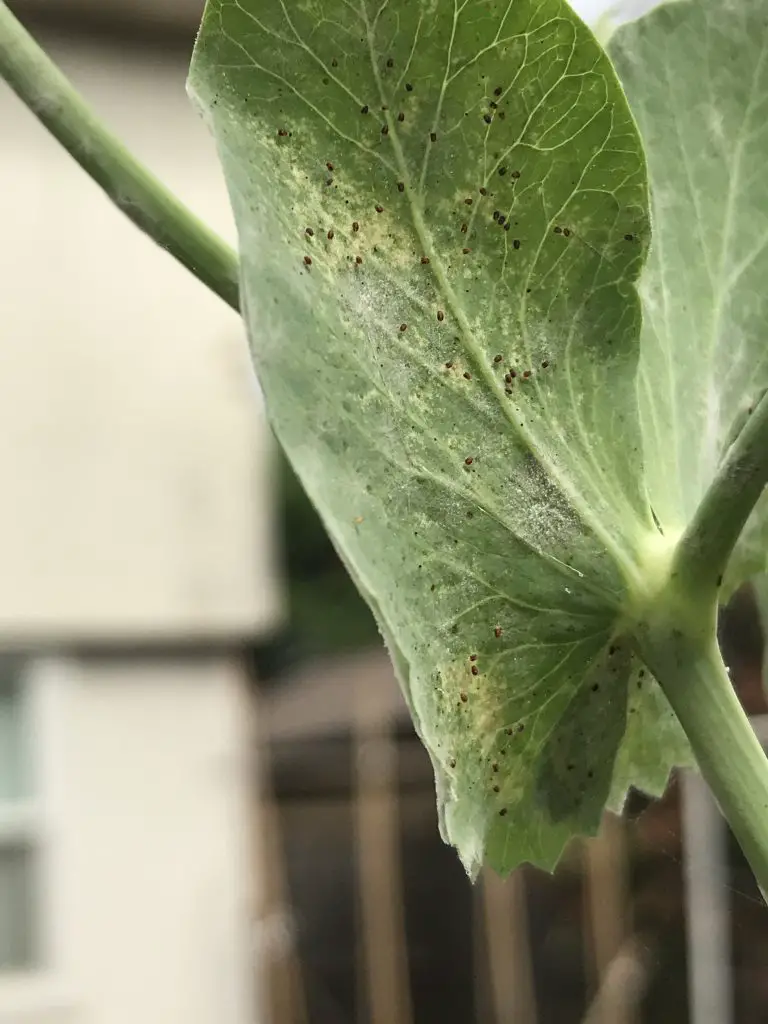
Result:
[505,293]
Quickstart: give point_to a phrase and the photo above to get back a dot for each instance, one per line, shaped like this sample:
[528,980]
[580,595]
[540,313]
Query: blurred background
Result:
[213,807]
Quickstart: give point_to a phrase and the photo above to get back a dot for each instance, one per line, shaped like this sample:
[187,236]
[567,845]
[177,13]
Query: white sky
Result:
[590,10]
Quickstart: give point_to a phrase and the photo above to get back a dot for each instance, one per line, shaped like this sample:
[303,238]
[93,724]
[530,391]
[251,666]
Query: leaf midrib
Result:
[471,346]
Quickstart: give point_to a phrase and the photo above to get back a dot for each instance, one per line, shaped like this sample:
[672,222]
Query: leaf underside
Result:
[696,75]
[442,212]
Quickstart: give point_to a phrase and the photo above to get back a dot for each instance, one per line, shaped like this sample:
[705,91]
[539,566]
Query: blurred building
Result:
[137,565]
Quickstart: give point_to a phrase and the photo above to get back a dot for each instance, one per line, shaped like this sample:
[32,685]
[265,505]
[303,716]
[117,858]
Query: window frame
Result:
[41,993]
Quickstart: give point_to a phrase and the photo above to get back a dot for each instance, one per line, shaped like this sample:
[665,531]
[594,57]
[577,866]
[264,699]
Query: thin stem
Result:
[695,681]
[705,548]
[138,193]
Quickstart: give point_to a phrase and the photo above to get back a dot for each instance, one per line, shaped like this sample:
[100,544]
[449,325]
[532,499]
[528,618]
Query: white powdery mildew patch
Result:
[536,507]
[547,523]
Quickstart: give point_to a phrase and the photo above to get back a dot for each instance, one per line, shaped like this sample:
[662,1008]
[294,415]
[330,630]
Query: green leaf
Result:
[442,212]
[696,76]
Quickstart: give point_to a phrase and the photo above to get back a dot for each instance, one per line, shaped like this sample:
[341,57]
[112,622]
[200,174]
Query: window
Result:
[18,939]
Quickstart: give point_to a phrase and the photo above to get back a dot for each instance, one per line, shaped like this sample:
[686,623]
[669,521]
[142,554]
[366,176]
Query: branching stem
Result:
[691,672]
[677,639]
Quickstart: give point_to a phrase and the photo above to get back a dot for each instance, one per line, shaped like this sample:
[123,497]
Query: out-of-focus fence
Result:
[368,919]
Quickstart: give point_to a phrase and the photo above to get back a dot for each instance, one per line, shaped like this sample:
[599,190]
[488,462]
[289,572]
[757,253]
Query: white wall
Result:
[133,454]
[147,798]
[136,504]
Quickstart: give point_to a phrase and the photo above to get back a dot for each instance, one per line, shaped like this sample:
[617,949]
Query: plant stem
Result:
[138,193]
[704,549]
[695,681]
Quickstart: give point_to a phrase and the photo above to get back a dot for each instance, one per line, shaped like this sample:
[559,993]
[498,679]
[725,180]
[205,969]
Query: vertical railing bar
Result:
[383,947]
[705,860]
[607,899]
[508,948]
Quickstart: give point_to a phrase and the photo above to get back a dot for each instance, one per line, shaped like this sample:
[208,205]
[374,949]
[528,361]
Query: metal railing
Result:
[618,964]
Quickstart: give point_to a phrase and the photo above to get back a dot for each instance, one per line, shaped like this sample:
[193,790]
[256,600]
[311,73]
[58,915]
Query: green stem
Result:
[695,681]
[678,643]
[138,193]
[704,549]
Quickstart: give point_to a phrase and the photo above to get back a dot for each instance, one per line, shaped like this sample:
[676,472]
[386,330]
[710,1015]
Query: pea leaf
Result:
[442,212]
[696,76]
